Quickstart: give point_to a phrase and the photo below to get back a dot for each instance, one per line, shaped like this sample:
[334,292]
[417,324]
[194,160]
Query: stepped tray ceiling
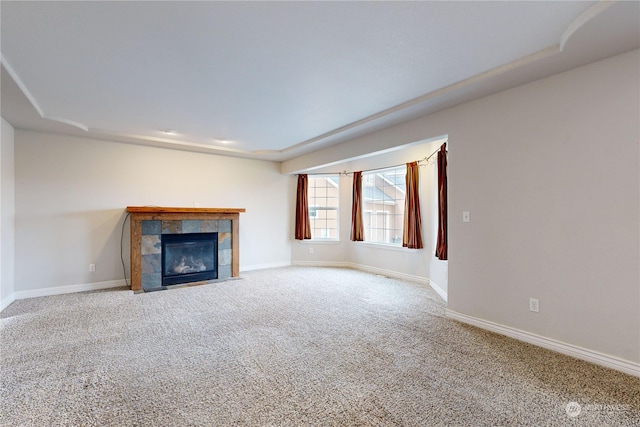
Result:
[275,80]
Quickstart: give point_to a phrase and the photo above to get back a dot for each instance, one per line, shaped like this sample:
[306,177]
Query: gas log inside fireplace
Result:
[189,257]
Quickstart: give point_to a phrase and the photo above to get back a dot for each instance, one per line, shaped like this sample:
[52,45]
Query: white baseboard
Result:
[438,290]
[117,283]
[83,287]
[362,267]
[592,356]
[43,292]
[389,273]
[373,270]
[4,303]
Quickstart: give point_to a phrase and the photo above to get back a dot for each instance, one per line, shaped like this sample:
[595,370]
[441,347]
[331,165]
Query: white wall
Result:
[7,210]
[71,195]
[550,174]
[438,270]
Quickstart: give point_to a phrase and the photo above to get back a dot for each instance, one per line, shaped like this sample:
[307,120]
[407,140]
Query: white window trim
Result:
[325,240]
[379,172]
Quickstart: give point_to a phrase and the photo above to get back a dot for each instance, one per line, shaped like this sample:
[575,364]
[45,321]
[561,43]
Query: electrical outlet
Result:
[465,216]
[310,250]
[196,204]
[92,267]
[534,305]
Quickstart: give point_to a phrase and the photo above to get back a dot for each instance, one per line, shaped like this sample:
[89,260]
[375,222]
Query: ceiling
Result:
[275,80]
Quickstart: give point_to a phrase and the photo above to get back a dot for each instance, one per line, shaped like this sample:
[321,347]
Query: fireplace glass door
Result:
[189,257]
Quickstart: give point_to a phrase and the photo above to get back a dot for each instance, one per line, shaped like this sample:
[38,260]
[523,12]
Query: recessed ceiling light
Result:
[223,141]
[169,131]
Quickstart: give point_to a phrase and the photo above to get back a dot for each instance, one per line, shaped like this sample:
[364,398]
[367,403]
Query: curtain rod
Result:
[345,173]
[435,152]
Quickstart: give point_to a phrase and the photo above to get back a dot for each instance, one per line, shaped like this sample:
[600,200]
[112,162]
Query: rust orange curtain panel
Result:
[357,228]
[441,244]
[412,235]
[303,226]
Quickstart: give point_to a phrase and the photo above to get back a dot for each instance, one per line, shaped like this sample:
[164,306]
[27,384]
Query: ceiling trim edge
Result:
[21,84]
[578,23]
[585,17]
[18,81]
[423,98]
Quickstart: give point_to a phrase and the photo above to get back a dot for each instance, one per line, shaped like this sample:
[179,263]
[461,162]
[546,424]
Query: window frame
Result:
[371,209]
[333,180]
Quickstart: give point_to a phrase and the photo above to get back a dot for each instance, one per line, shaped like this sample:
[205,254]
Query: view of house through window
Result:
[383,194]
[323,193]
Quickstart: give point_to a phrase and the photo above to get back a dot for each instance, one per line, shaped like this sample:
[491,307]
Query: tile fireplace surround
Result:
[149,223]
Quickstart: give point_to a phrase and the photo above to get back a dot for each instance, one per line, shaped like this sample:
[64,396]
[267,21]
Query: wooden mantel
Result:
[159,213]
[160,209]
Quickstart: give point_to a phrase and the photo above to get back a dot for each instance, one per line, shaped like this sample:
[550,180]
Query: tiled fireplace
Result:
[150,226]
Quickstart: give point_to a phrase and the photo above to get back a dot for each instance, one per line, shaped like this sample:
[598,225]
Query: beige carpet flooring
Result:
[295,346]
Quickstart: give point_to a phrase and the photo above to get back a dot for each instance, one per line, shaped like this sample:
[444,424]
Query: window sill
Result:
[386,246]
[319,241]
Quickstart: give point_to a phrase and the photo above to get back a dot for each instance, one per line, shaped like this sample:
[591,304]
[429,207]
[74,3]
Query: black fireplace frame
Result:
[176,279]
